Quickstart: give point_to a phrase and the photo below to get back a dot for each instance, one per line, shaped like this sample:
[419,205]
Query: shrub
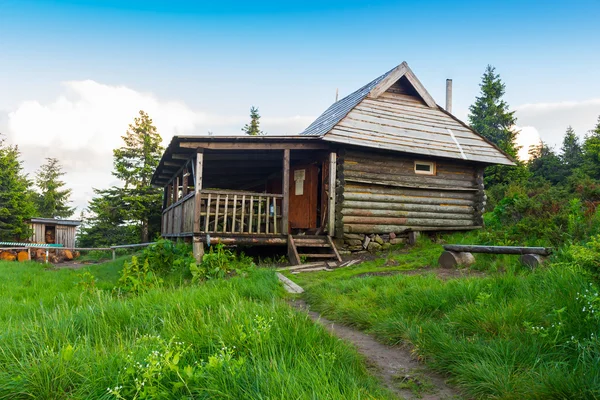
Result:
[137,278]
[219,262]
[588,256]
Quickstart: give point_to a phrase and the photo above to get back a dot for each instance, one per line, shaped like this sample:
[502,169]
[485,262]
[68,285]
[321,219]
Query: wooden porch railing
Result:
[235,212]
[225,211]
[178,219]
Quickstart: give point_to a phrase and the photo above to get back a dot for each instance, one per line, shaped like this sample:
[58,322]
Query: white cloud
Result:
[528,136]
[552,119]
[85,123]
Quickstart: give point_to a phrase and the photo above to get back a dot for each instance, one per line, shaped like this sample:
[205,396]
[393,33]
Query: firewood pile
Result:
[55,255]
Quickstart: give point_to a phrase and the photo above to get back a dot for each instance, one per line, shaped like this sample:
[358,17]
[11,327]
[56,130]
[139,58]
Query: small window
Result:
[425,167]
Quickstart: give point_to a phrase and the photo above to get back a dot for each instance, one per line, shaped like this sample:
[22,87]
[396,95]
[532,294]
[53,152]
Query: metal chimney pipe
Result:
[449,95]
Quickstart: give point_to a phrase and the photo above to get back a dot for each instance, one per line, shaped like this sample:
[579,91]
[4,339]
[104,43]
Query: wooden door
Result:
[303,196]
[61,236]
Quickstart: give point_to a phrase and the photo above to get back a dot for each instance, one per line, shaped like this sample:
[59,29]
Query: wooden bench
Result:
[457,254]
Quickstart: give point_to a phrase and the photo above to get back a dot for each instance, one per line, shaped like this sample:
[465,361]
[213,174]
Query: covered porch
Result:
[246,190]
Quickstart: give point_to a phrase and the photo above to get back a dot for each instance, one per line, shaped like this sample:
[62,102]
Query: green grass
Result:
[513,334]
[229,339]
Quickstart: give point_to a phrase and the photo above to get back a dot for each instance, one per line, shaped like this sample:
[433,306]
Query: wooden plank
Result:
[259,221]
[217,205]
[293,251]
[208,201]
[285,212]
[332,185]
[239,192]
[282,145]
[289,286]
[234,213]
[268,214]
[251,214]
[225,213]
[275,222]
[301,266]
[337,254]
[315,269]
[319,255]
[243,221]
[543,251]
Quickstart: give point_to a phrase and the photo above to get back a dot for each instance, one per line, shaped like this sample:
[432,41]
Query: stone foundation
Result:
[355,242]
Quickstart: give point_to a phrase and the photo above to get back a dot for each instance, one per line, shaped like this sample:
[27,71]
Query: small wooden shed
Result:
[54,231]
[385,160]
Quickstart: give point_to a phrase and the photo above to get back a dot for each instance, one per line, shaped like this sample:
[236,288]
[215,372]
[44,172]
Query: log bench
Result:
[458,254]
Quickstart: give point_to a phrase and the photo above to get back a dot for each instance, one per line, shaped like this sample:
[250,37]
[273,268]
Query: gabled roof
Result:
[395,112]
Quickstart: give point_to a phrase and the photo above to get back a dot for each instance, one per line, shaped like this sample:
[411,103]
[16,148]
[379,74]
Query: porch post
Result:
[332,180]
[198,246]
[285,202]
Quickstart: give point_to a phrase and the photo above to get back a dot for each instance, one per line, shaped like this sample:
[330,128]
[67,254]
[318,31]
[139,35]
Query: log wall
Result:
[380,193]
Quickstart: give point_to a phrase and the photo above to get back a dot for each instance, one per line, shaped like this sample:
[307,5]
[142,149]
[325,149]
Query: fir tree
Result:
[571,151]
[136,161]
[116,213]
[545,164]
[52,200]
[16,197]
[490,116]
[253,128]
[591,152]
[134,164]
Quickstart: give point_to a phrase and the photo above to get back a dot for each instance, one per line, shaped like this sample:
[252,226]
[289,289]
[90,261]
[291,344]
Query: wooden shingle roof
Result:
[395,112]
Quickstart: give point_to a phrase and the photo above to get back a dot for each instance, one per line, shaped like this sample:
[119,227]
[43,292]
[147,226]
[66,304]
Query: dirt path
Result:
[395,366]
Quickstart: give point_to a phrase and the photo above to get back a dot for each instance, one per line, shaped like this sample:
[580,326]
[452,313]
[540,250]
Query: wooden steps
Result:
[311,247]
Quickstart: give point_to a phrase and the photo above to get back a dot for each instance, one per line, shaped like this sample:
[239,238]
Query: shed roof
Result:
[54,221]
[409,121]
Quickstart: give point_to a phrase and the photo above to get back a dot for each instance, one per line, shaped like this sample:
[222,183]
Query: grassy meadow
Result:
[67,335]
[509,333]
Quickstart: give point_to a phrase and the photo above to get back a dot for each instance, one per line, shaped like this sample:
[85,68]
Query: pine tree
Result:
[52,200]
[545,164]
[571,150]
[121,215]
[491,118]
[252,128]
[16,197]
[136,161]
[134,164]
[591,152]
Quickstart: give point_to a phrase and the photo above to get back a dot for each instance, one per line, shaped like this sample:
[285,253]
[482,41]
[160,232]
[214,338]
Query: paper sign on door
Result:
[299,176]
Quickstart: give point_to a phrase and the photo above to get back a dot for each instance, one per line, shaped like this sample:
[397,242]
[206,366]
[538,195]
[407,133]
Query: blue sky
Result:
[210,61]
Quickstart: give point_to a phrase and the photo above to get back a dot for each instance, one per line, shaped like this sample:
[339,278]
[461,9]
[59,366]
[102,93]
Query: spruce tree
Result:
[52,200]
[134,164]
[16,197]
[490,117]
[253,128]
[545,164]
[591,152]
[571,150]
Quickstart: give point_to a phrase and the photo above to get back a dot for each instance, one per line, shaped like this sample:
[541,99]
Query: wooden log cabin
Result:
[384,160]
[53,231]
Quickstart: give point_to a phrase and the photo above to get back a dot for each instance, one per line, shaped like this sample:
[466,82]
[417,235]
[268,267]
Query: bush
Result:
[219,263]
[137,278]
[588,257]
[166,256]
